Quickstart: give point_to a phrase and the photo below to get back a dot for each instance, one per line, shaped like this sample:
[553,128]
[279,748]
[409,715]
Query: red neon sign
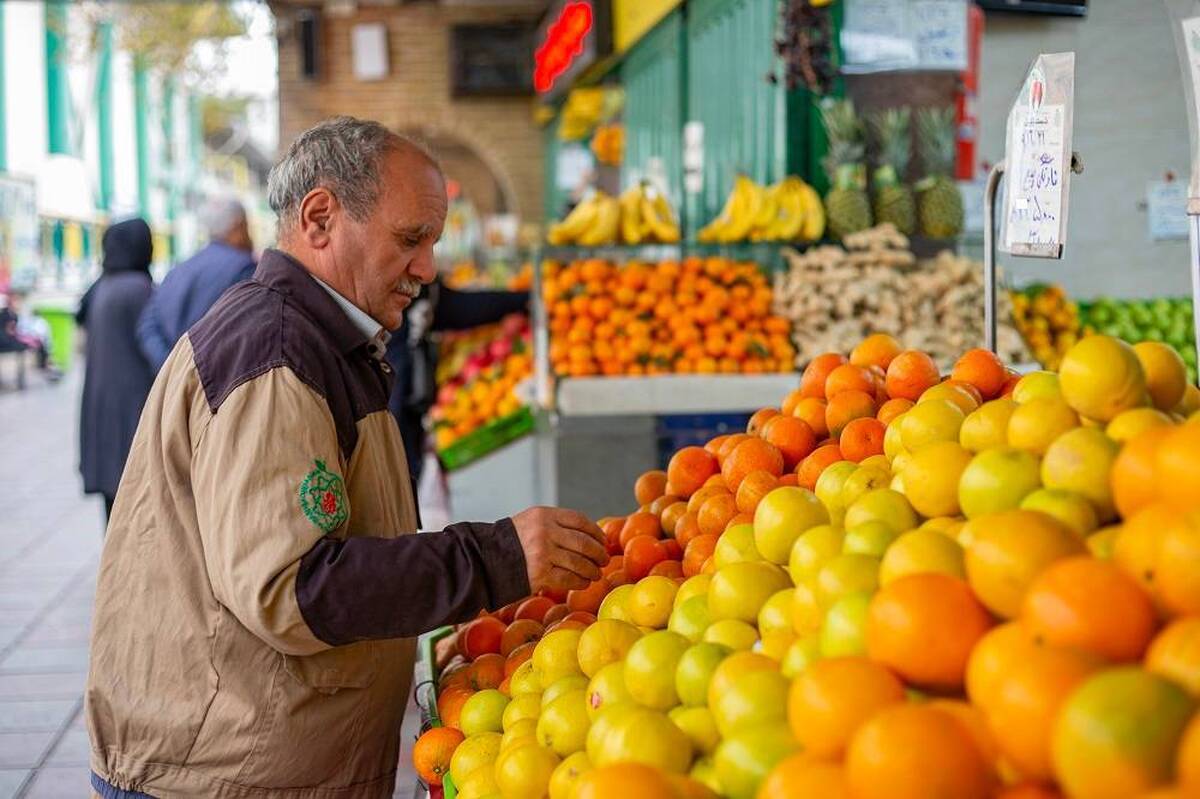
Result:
[564,43]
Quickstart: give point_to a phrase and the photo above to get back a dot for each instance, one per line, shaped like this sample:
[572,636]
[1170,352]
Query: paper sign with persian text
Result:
[1037,159]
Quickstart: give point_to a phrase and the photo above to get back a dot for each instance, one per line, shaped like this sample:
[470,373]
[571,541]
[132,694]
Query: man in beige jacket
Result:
[258,591]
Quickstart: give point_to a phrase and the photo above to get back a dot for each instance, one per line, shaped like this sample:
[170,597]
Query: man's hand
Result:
[563,548]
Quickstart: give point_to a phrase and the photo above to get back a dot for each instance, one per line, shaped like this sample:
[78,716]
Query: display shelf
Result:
[670,394]
[766,253]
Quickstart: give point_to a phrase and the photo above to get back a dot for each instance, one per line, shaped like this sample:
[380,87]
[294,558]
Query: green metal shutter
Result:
[552,206]
[141,112]
[731,51]
[3,100]
[58,95]
[104,115]
[652,74]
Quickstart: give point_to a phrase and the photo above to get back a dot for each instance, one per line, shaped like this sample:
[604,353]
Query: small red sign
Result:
[564,43]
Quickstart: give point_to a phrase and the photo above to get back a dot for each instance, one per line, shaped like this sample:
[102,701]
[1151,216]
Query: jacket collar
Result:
[285,274]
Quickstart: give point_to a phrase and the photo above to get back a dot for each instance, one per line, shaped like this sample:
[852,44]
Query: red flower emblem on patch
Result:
[329,502]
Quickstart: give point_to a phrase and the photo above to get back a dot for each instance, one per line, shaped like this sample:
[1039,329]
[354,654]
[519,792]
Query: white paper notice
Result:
[1191,39]
[1166,210]
[940,30]
[1035,178]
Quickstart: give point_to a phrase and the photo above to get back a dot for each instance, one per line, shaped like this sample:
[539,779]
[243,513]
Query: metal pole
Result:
[1194,239]
[543,391]
[989,255]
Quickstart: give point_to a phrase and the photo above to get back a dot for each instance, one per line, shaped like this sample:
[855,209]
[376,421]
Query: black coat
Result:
[118,377]
[414,357]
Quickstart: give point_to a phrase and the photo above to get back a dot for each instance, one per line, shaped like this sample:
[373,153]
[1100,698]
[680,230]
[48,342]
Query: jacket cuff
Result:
[504,562]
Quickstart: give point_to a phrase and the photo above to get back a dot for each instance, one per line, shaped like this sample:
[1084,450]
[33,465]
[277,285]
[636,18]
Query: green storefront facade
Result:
[709,63]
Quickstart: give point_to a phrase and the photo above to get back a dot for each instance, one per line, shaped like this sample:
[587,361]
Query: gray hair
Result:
[342,154]
[220,216]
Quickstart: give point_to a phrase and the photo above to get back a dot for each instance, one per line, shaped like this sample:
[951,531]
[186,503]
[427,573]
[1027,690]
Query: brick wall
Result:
[415,97]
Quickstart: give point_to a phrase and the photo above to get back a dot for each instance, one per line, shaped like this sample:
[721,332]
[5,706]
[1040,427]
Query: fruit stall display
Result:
[468,275]
[697,315]
[834,295]
[897,584]
[1052,322]
[477,407]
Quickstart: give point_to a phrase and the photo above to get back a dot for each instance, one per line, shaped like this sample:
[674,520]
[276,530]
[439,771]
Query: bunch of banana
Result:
[592,223]
[789,210]
[646,216]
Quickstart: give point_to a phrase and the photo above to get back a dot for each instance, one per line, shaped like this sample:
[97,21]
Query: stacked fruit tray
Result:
[895,584]
[699,315]
[478,409]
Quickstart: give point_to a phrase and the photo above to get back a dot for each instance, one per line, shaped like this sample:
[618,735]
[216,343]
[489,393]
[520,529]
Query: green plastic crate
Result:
[486,439]
[425,677]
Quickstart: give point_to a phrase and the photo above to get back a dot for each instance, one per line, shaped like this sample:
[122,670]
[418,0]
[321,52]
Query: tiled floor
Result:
[50,538]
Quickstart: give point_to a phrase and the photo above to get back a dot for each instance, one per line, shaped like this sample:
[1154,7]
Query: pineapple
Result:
[939,203]
[893,199]
[846,205]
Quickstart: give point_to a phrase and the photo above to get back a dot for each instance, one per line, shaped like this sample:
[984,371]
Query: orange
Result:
[758,419]
[975,723]
[862,438]
[1187,759]
[521,631]
[1175,654]
[845,408]
[1027,790]
[707,490]
[432,751]
[1117,734]
[1177,467]
[729,445]
[649,486]
[626,780]
[1007,552]
[790,401]
[1178,570]
[640,523]
[517,657]
[812,381]
[753,488]
[587,600]
[877,349]
[688,469]
[612,533]
[451,701]
[487,671]
[714,445]
[848,377]
[832,698]
[670,516]
[641,554]
[483,635]
[909,375]
[915,752]
[791,436]
[1022,710]
[688,527]
[1090,604]
[748,456]
[1132,476]
[811,467]
[811,411]
[715,513]
[1139,541]
[889,410]
[657,506]
[923,626]
[802,776]
[983,370]
[697,551]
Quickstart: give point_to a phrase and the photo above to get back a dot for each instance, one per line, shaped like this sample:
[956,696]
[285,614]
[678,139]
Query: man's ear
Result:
[318,210]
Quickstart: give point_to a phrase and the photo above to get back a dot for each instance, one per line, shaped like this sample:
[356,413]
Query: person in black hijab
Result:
[118,376]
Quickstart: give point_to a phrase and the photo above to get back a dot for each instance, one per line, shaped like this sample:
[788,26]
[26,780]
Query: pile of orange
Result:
[1039,662]
[699,315]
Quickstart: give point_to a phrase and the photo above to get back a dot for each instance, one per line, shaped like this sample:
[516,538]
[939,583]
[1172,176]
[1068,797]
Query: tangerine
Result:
[877,349]
[910,374]
[811,411]
[641,523]
[432,752]
[688,469]
[650,486]
[791,436]
[760,418]
[715,513]
[810,469]
[889,410]
[849,377]
[748,456]
[520,632]
[1133,472]
[833,697]
[845,408]
[983,370]
[812,381]
[754,487]
[862,438]
[924,626]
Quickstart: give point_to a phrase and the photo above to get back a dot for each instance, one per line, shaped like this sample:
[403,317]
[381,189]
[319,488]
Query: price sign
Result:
[1038,159]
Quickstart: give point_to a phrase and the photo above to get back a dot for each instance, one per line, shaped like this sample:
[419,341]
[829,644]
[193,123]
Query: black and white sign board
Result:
[1038,159]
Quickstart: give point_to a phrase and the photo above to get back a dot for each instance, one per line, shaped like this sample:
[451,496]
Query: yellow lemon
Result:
[829,488]
[1103,542]
[921,551]
[930,422]
[893,445]
[1034,425]
[997,479]
[1080,461]
[1102,376]
[1036,384]
[1068,507]
[1128,424]
[987,426]
[1190,402]
[1166,374]
[931,477]
[951,393]
[812,549]
[882,505]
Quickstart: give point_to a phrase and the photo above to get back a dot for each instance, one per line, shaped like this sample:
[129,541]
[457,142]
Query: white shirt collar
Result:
[375,333]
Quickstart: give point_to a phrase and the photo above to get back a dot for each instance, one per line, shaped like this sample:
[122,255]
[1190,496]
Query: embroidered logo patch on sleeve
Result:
[323,498]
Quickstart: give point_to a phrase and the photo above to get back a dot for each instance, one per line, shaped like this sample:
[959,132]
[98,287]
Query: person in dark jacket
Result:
[192,287]
[413,356]
[118,376]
